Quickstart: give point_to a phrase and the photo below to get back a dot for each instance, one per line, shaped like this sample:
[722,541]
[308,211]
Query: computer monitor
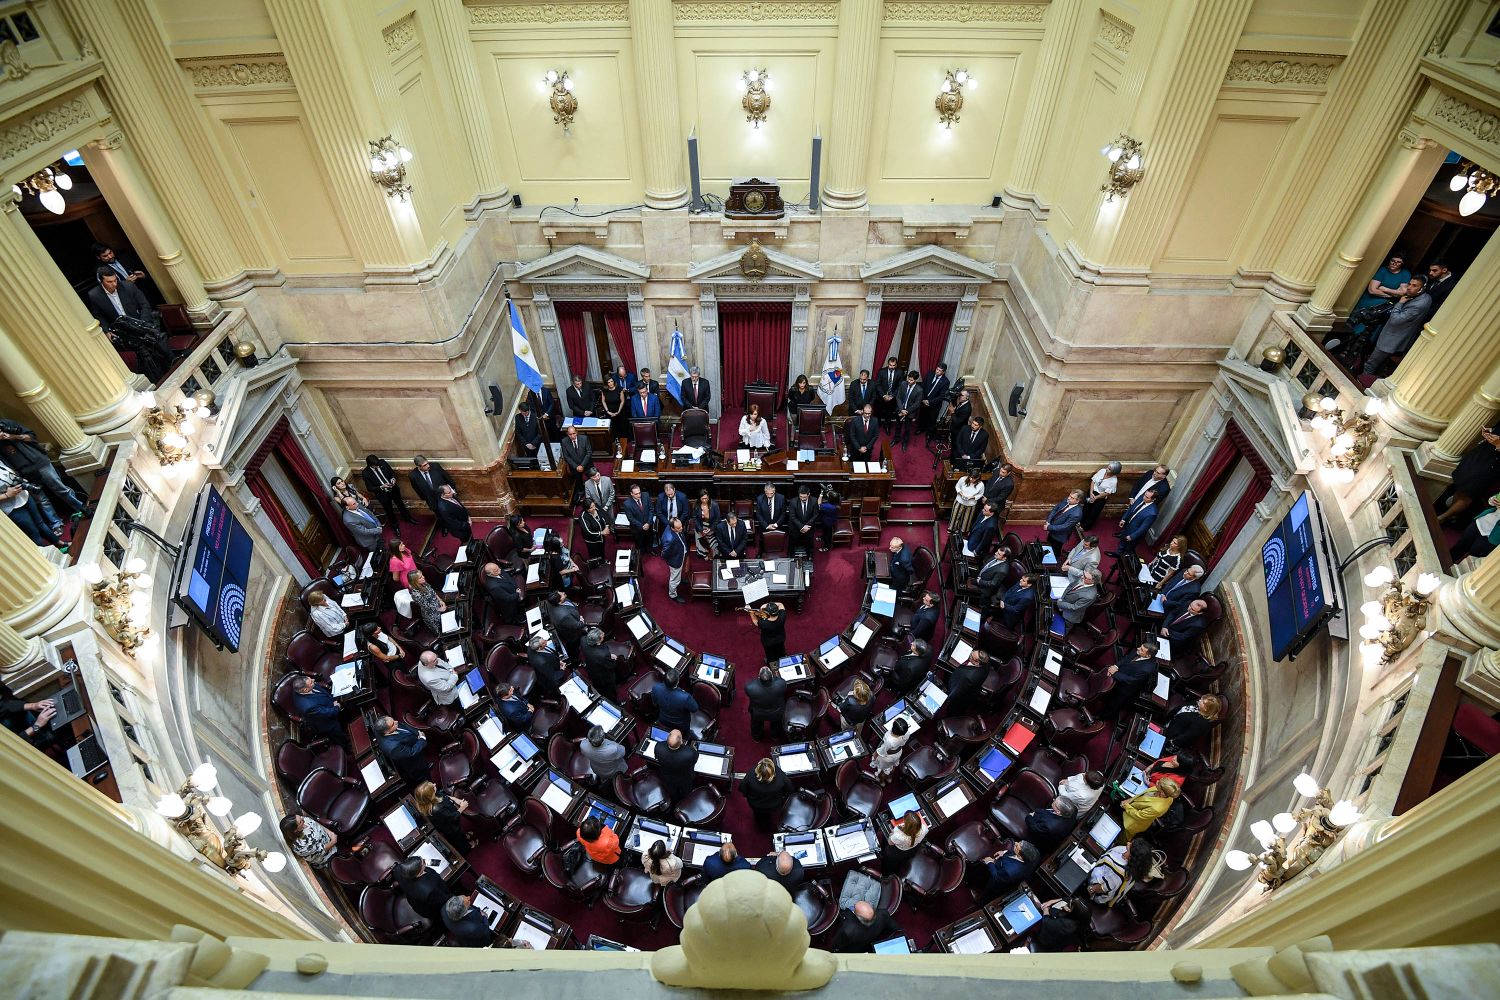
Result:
[475,679]
[1103,832]
[1152,742]
[905,804]
[524,747]
[893,946]
[710,660]
[829,646]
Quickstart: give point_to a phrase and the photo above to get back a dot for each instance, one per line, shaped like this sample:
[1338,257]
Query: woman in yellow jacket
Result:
[1146,808]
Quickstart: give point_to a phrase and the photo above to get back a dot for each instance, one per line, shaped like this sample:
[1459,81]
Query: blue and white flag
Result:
[677,372]
[527,373]
[832,388]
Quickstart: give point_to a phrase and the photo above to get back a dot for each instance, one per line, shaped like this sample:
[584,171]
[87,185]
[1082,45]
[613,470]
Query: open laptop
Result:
[1103,833]
[1152,742]
[1073,870]
[69,707]
[86,756]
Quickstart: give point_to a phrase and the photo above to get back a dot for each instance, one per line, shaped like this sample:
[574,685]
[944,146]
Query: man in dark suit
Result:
[861,928]
[1008,869]
[770,510]
[465,923]
[674,706]
[644,405]
[971,443]
[528,431]
[515,710]
[908,404]
[642,518]
[958,420]
[601,665]
[1061,521]
[452,516]
[113,299]
[675,762]
[993,576]
[577,453]
[1137,520]
[426,477]
[901,567]
[544,405]
[965,683]
[1179,589]
[423,888]
[861,392]
[404,747]
[546,663]
[934,392]
[1016,600]
[106,259]
[1187,626]
[319,710]
[674,552]
[1440,281]
[732,536]
[1000,486]
[982,534]
[1132,678]
[887,381]
[565,619]
[802,517]
[783,869]
[669,505]
[1156,479]
[1046,828]
[767,697]
[696,391]
[503,593]
[580,400]
[925,618]
[650,383]
[911,669]
[380,480]
[864,436]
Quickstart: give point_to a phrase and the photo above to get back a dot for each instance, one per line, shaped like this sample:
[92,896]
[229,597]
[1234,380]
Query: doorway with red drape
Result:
[755,343]
[934,322]
[284,444]
[617,323]
[890,318]
[1234,446]
[574,336]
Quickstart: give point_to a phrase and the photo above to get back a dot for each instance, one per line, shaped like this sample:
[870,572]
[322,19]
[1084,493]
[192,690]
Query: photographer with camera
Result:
[25,509]
[23,454]
[126,315]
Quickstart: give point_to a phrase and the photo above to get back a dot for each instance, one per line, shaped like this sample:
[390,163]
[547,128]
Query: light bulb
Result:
[961,75]
[1372,654]
[205,776]
[1339,448]
[273,862]
[1114,154]
[142,581]
[1344,476]
[551,76]
[972,83]
[140,600]
[1371,631]
[766,83]
[1343,813]
[947,87]
[63,181]
[406,153]
[146,398]
[1237,860]
[187,427]
[1458,181]
[1328,404]
[134,564]
[1134,163]
[568,85]
[188,405]
[1306,785]
[1346,439]
[1374,611]
[1467,205]
[1262,831]
[91,574]
[171,806]
[1373,406]
[1284,822]
[172,439]
[1427,583]
[247,824]
[1330,430]
[54,203]
[1379,576]
[219,805]
[377,163]
[1106,149]
[15,189]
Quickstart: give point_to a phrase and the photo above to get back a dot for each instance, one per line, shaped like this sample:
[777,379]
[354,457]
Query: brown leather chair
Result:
[390,917]
[975,841]
[773,544]
[870,523]
[804,714]
[642,791]
[805,810]
[499,544]
[585,882]
[304,651]
[526,840]
[1053,766]
[928,765]
[632,894]
[1118,926]
[815,900]
[931,875]
[700,807]
[492,804]
[859,794]
[564,756]
[338,803]
[455,763]
[294,761]
[281,696]
[1027,793]
[680,897]
[958,734]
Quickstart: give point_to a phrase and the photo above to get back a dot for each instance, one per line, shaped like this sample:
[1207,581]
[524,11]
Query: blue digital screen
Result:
[1296,594]
[220,571]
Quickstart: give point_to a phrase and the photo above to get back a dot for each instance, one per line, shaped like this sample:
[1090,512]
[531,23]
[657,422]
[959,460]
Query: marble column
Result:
[855,65]
[15,650]
[1458,347]
[870,329]
[47,320]
[32,589]
[343,115]
[1439,458]
[665,158]
[711,349]
[1174,129]
[1041,108]
[114,168]
[451,38]
[80,452]
[801,311]
[1402,161]
[640,340]
[1470,608]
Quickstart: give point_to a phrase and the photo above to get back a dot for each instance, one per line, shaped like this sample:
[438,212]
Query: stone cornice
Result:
[547,13]
[757,10]
[261,70]
[401,35]
[965,13]
[1289,70]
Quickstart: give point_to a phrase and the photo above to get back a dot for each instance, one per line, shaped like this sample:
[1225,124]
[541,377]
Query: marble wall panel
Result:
[399,421]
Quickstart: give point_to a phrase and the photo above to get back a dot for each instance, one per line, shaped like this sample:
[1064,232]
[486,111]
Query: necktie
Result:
[120,270]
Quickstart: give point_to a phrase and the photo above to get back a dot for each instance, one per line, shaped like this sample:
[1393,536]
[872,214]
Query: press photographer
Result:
[131,322]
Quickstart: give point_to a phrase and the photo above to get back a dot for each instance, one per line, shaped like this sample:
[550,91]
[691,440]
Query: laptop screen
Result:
[710,660]
[829,646]
[1153,742]
[892,946]
[789,661]
[895,709]
[522,745]
[1020,913]
[475,679]
[1104,831]
[660,735]
[905,804]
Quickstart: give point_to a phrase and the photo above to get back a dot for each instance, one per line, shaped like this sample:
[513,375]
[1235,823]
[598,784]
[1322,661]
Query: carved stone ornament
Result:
[43,126]
[547,13]
[12,66]
[754,264]
[1465,117]
[400,35]
[967,13]
[248,72]
[1280,69]
[1114,33]
[792,10]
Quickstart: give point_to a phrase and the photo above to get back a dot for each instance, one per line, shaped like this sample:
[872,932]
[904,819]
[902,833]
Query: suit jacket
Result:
[698,396]
[317,710]
[909,671]
[1438,291]
[970,445]
[676,767]
[1178,594]
[1162,488]
[887,380]
[365,528]
[1062,520]
[674,706]
[546,663]
[381,472]
[791,881]
[766,700]
[860,393]
[1403,324]
[577,454]
[1187,727]
[606,760]
[603,494]
[528,431]
[639,512]
[453,517]
[1081,558]
[1016,600]
[732,540]
[992,576]
[131,297]
[505,595]
[1046,829]
[861,436]
[1008,872]
[470,932]
[854,936]
[515,713]
[770,513]
[800,514]
[766,795]
[998,490]
[1134,675]
[901,569]
[958,418]
[908,397]
[715,867]
[599,664]
[666,510]
[580,401]
[426,893]
[650,411]
[924,622]
[981,535]
[1138,518]
[673,549]
[1185,627]
[426,484]
[965,681]
[568,623]
[405,744]
[934,388]
[1075,600]
[698,521]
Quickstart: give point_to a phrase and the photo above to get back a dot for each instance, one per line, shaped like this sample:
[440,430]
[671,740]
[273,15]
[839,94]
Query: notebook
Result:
[882,600]
[462,555]
[893,946]
[1059,584]
[349,644]
[1157,607]
[450,583]
[372,774]
[1163,686]
[533,620]
[835,657]
[853,840]
[577,694]
[533,573]
[538,937]
[450,622]
[993,763]
[796,758]
[1164,649]
[353,600]
[489,730]
[1053,663]
[558,795]
[931,697]
[1040,699]
[1017,738]
[861,636]
[400,822]
[975,942]
[343,680]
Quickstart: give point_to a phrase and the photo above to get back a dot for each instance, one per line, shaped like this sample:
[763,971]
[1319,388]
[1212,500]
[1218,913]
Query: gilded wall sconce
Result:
[564,105]
[1397,617]
[388,160]
[1125,166]
[950,98]
[1292,841]
[756,86]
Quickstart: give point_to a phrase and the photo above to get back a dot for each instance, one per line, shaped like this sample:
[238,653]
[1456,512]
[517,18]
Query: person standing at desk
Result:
[601,665]
[908,403]
[669,505]
[601,490]
[362,526]
[803,517]
[577,453]
[674,706]
[504,594]
[580,400]
[861,392]
[766,788]
[799,395]
[1063,518]
[732,537]
[958,419]
[864,436]
[642,518]
[992,576]
[911,669]
[465,923]
[999,487]
[971,442]
[404,747]
[423,888]
[1101,487]
[767,697]
[676,762]
[982,534]
[528,432]
[426,477]
[440,679]
[934,393]
[925,618]
[453,516]
[380,480]
[965,683]
[1017,601]
[861,928]
[615,401]
[644,405]
[696,392]
[901,567]
[1137,520]
[771,620]
[755,432]
[770,509]
[594,526]
[546,665]
[1132,677]
[674,551]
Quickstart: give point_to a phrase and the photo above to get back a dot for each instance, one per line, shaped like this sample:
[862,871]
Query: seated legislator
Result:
[1047,828]
[1009,868]
[864,435]
[465,923]
[1017,600]
[783,869]
[577,453]
[861,928]
[1179,590]
[1187,626]
[732,536]
[755,432]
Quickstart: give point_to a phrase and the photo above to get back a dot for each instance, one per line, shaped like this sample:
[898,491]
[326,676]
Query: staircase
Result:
[911,503]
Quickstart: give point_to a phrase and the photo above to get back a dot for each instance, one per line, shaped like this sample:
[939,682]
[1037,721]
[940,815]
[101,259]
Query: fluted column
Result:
[1440,457]
[149,97]
[1353,131]
[15,649]
[80,452]
[48,321]
[1400,164]
[1470,608]
[451,33]
[113,166]
[1458,347]
[31,588]
[664,159]
[1041,107]
[1174,128]
[343,116]
[844,183]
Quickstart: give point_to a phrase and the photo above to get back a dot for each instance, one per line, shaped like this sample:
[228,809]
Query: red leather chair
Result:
[644,435]
[492,804]
[295,761]
[585,882]
[377,866]
[928,765]
[563,755]
[680,897]
[631,893]
[804,713]
[1086,640]
[440,723]
[1117,926]
[773,544]
[932,874]
[810,426]
[1027,793]
[1053,766]
[705,721]
[526,840]
[642,791]
[805,810]
[859,794]
[843,527]
[975,841]
[597,612]
[815,900]
[548,717]
[389,916]
[870,522]
[338,803]
[282,693]
[700,807]
[1075,688]
[638,694]
[499,664]
[304,651]
[959,734]
[455,763]
[499,544]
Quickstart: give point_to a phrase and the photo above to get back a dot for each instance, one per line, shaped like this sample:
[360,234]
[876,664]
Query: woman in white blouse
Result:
[888,754]
[902,840]
[966,494]
[1082,789]
[662,866]
[1101,488]
[330,618]
[754,431]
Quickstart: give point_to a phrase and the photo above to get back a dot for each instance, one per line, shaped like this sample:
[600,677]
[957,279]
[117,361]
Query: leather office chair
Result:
[526,840]
[642,791]
[1087,640]
[439,723]
[390,917]
[1002,682]
[1117,926]
[695,430]
[498,665]
[564,756]
[870,525]
[631,893]
[499,544]
[1075,688]
[923,562]
[584,883]
[768,398]
[1012,541]
[700,581]
[810,426]
[492,804]
[294,761]
[705,721]
[338,803]
[975,841]
[281,696]
[958,735]
[805,810]
[644,435]
[927,766]
[1027,793]
[1047,763]
[931,875]
[773,544]
[843,527]
[804,713]
[494,632]
[322,585]
[638,694]
[455,763]
[815,900]
[700,807]
[304,651]
[680,897]
[859,794]
[521,677]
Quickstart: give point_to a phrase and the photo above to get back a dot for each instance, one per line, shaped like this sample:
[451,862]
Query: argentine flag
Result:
[527,372]
[677,372]
[832,387]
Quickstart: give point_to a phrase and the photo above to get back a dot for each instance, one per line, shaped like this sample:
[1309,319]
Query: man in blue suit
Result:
[1016,600]
[644,406]
[638,512]
[1156,479]
[674,706]
[982,535]
[924,620]
[669,505]
[318,710]
[1179,589]
[901,568]
[514,709]
[1009,869]
[1046,828]
[404,747]
[674,551]
[1137,520]
[1061,522]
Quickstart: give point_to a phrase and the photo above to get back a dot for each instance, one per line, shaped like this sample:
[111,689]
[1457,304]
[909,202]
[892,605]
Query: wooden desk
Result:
[728,485]
[545,492]
[75,732]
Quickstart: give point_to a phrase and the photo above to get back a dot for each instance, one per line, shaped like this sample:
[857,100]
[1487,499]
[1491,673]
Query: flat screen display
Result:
[1298,593]
[218,571]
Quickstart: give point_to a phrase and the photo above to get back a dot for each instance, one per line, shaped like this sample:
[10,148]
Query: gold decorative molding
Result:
[756,10]
[1115,33]
[41,127]
[246,71]
[965,13]
[1480,123]
[1281,69]
[548,13]
[401,35]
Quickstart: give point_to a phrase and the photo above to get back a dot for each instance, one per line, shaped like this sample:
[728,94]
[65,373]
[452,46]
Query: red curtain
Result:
[257,482]
[755,342]
[935,320]
[890,316]
[1233,447]
[297,464]
[617,323]
[574,338]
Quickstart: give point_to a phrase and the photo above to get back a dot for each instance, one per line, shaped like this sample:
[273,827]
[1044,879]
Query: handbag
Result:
[572,857]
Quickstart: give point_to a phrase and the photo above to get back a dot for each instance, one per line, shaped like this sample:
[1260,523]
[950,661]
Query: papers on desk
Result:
[703,847]
[428,852]
[686,450]
[805,847]
[742,456]
[1040,699]
[834,658]
[806,454]
[1163,685]
[489,730]
[1049,558]
[648,456]
[344,679]
[540,938]
[493,911]
[708,672]
[455,656]
[538,537]
[779,579]
[368,568]
[467,696]
[755,590]
[353,600]
[725,574]
[509,762]
[594,423]
[450,621]
[732,563]
[883,600]
[708,763]
[556,799]
[1153,741]
[1156,607]
[952,801]
[372,774]
[450,583]
[1059,584]
[399,821]
[462,555]
[848,842]
[622,557]
[577,694]
[1145,575]
[1164,649]
[349,644]
[1053,663]
[861,468]
[961,652]
[976,942]
[621,521]
[627,465]
[799,762]
[668,656]
[533,620]
[625,593]
[603,714]
[931,697]
[533,573]
[861,636]
[793,465]
[638,626]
